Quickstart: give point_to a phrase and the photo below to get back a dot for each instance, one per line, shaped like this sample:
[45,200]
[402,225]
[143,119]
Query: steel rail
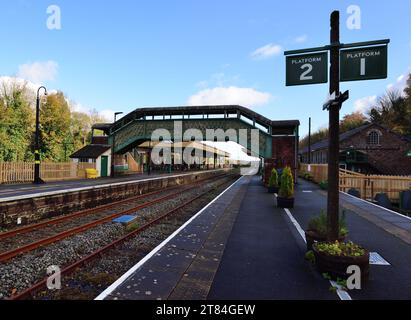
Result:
[4,256]
[32,227]
[29,292]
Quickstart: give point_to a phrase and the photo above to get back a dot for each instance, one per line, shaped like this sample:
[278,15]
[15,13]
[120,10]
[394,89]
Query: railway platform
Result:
[9,192]
[241,246]
[26,204]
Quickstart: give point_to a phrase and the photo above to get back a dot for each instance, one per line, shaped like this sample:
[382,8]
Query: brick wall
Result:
[390,157]
[283,151]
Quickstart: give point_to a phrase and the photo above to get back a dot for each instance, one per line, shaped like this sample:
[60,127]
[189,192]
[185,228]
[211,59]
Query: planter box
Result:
[272,190]
[285,203]
[336,266]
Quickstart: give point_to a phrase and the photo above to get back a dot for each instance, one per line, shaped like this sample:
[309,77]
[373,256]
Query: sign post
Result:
[334,132]
[348,62]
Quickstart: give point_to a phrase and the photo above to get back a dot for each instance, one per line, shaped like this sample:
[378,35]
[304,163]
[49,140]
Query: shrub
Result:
[287,184]
[308,176]
[273,182]
[319,224]
[340,249]
[324,185]
[309,256]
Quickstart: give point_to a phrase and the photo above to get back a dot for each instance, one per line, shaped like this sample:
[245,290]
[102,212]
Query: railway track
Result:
[164,220]
[94,217]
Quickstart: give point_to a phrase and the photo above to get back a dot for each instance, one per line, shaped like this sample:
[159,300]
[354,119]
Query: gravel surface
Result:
[25,270]
[89,281]
[48,231]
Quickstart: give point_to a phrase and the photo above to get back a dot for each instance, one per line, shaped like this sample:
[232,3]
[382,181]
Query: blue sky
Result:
[120,55]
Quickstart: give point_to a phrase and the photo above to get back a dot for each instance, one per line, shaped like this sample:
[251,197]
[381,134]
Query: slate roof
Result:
[346,135]
[343,136]
[91,151]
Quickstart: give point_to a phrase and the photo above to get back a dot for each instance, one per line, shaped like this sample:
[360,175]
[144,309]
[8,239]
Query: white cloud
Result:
[218,80]
[108,115]
[301,39]
[400,83]
[267,51]
[38,72]
[248,97]
[202,84]
[365,104]
[10,81]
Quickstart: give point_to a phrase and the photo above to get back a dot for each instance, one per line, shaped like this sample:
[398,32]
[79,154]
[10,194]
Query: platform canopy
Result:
[183,145]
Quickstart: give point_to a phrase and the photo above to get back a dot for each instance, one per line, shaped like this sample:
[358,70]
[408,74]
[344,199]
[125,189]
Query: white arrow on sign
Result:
[329,100]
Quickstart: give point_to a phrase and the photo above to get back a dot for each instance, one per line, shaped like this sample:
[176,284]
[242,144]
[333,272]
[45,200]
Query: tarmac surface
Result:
[243,247]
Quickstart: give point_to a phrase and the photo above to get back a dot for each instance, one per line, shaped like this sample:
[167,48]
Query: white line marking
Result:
[296,224]
[307,191]
[376,205]
[130,272]
[342,294]
[64,191]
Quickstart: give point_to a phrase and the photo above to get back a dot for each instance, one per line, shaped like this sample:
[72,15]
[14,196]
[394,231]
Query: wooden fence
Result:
[20,172]
[368,185]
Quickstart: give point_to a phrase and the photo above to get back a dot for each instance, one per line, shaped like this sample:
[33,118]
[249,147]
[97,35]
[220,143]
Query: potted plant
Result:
[317,229]
[273,182]
[324,185]
[308,176]
[285,197]
[334,258]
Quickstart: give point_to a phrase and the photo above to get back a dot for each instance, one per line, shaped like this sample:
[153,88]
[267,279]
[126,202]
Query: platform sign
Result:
[307,69]
[363,63]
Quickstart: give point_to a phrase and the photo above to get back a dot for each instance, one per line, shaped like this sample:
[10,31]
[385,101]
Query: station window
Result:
[373,138]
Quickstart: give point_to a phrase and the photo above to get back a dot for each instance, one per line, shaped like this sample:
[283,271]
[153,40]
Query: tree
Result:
[349,122]
[55,127]
[352,121]
[393,111]
[16,122]
[62,131]
[407,90]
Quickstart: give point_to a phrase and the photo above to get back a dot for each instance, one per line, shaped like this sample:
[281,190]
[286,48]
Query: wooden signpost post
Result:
[348,62]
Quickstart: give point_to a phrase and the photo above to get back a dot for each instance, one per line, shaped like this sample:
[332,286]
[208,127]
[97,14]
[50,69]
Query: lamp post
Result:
[113,145]
[309,141]
[37,179]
